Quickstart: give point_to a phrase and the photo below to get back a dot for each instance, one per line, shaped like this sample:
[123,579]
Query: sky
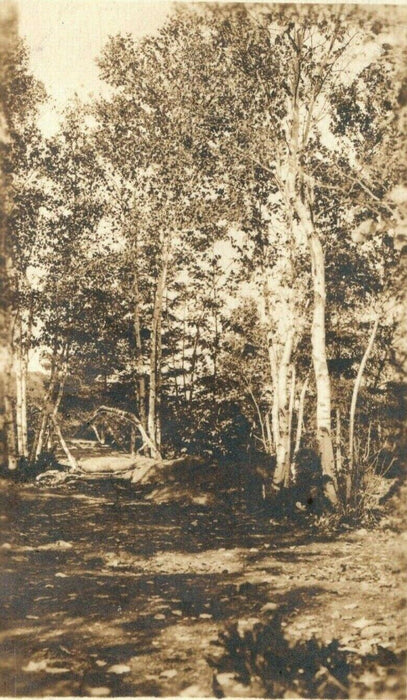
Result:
[65,36]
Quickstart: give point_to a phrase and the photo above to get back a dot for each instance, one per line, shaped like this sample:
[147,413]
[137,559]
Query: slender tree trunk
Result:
[279,368]
[155,353]
[273,366]
[24,408]
[158,385]
[356,388]
[322,378]
[39,442]
[37,445]
[215,353]
[9,415]
[291,412]
[268,433]
[338,446]
[24,350]
[8,456]
[274,408]
[300,420]
[260,417]
[9,421]
[132,440]
[283,453]
[319,358]
[183,367]
[138,349]
[71,459]
[20,371]
[62,380]
[282,471]
[193,360]
[18,381]
[12,459]
[46,412]
[97,434]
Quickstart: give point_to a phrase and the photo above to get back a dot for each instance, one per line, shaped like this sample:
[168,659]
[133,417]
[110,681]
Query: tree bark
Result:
[282,471]
[18,381]
[300,419]
[24,407]
[290,413]
[322,379]
[273,367]
[319,358]
[9,422]
[48,409]
[194,358]
[138,348]
[71,459]
[132,440]
[356,388]
[155,352]
[9,415]
[268,433]
[8,29]
[279,369]
[338,446]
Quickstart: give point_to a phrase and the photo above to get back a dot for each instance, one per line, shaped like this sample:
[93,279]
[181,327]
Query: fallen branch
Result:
[71,459]
[130,418]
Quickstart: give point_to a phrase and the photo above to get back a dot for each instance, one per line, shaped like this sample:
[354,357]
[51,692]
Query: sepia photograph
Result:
[203,358]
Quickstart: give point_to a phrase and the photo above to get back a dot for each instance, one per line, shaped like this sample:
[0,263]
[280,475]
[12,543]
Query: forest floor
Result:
[105,594]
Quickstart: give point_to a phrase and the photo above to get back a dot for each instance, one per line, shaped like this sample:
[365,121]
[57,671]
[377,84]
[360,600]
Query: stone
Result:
[99,692]
[118,669]
[169,673]
[269,607]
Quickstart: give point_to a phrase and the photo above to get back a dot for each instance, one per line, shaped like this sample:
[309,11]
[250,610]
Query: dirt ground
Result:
[105,594]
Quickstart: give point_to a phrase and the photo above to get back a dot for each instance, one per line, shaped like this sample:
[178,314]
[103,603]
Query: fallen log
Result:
[117,463]
[138,469]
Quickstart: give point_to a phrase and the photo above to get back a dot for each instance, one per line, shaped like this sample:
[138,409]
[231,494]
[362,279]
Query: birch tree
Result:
[21,95]
[292,86]
[72,248]
[151,160]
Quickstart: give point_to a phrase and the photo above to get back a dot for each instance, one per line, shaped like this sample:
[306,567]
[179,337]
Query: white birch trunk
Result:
[140,378]
[17,375]
[319,357]
[300,419]
[282,471]
[9,419]
[155,352]
[338,447]
[24,425]
[291,408]
[356,388]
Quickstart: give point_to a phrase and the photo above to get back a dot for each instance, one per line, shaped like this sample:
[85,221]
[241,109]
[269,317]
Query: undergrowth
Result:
[261,658]
[27,472]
